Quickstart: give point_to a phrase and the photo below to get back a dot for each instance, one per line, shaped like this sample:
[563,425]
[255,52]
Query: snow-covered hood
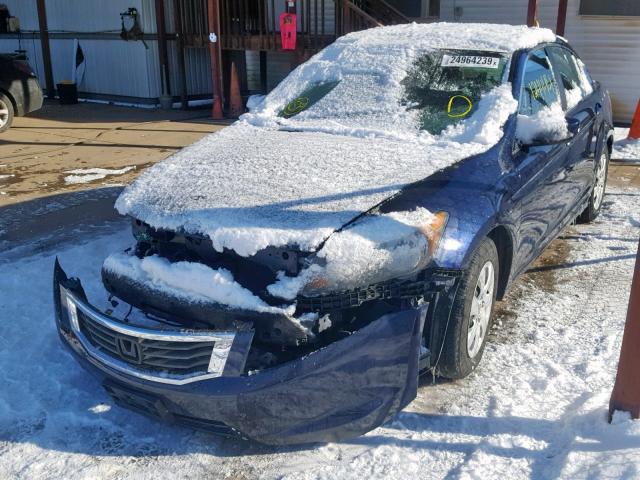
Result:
[248,188]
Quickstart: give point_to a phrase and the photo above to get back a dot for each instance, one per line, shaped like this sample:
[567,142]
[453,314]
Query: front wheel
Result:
[471,314]
[597,193]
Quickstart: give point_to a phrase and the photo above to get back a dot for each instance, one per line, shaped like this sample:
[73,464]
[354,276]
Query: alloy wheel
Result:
[601,176]
[481,305]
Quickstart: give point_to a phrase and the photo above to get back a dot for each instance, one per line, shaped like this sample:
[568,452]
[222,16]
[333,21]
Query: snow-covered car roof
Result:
[254,185]
[480,36]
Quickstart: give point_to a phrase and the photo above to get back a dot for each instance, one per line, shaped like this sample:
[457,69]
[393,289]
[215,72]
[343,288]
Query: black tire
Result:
[6,113]
[595,203]
[456,361]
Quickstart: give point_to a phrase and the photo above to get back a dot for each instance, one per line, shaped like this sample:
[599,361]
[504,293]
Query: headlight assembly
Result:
[374,249]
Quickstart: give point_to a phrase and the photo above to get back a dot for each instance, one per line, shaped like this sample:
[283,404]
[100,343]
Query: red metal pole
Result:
[213,18]
[626,391]
[562,17]
[532,13]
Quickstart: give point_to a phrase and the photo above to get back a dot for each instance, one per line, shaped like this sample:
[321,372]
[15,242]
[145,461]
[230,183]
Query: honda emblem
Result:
[129,349]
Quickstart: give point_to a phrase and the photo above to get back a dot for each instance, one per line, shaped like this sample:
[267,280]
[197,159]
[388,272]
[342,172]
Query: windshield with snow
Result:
[441,88]
[445,86]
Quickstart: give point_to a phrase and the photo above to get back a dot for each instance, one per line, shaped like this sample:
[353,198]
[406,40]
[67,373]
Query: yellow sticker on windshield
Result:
[296,106]
[463,114]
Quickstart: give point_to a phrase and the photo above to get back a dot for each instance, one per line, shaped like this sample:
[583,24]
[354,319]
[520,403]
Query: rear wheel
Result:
[6,112]
[471,314]
[597,194]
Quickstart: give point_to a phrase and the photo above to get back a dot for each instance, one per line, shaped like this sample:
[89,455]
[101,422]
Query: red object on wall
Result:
[288,25]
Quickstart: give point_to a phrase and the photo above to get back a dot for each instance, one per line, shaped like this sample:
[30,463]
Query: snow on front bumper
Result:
[341,391]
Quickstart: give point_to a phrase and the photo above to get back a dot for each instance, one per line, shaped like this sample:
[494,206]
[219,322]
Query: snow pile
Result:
[549,125]
[258,184]
[625,148]
[86,175]
[193,282]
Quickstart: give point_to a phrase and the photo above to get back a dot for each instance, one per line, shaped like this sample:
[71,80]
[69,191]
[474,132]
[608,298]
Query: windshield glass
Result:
[445,86]
[441,88]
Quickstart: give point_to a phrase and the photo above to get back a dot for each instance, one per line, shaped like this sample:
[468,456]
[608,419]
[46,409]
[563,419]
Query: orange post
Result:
[235,99]
[626,391]
[634,131]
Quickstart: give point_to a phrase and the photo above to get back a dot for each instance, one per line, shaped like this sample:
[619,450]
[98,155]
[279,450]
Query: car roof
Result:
[443,35]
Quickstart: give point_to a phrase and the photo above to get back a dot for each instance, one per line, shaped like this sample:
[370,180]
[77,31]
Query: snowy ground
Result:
[625,148]
[536,408]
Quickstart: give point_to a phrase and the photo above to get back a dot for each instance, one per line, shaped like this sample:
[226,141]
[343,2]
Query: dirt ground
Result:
[40,150]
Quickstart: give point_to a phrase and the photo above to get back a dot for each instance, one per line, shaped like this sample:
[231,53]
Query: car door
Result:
[541,187]
[580,109]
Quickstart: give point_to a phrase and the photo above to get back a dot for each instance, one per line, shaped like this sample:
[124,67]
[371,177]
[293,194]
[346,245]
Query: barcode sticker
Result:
[470,61]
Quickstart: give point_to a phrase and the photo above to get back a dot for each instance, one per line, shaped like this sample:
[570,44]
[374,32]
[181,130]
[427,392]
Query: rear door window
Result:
[539,87]
[574,83]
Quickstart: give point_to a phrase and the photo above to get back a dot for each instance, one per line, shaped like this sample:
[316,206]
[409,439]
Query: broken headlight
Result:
[374,249]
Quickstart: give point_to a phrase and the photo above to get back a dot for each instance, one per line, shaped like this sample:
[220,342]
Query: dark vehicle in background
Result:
[200,363]
[20,92]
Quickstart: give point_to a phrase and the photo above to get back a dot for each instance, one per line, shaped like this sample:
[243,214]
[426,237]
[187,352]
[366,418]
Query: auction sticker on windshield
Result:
[470,61]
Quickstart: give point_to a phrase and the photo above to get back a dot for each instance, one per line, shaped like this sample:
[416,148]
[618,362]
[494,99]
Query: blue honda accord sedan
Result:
[292,274]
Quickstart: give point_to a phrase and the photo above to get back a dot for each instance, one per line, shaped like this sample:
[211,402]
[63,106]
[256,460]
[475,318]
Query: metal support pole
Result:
[263,71]
[177,10]
[532,13]
[213,18]
[162,48]
[626,391]
[562,17]
[46,51]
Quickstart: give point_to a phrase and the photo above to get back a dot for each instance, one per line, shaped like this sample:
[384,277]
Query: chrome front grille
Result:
[178,358]
[167,356]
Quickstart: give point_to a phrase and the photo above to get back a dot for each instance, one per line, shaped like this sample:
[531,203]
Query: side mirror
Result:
[573,126]
[551,138]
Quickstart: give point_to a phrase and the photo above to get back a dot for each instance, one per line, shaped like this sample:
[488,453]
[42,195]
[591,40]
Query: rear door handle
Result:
[597,108]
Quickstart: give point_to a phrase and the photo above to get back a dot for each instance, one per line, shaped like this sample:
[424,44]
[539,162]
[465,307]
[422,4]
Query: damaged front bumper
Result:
[343,390]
